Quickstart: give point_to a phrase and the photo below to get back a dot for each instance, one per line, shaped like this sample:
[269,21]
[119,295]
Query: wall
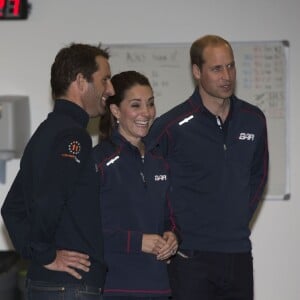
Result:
[27,49]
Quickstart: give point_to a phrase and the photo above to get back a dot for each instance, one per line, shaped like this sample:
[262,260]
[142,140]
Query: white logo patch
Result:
[111,161]
[185,120]
[246,136]
[160,177]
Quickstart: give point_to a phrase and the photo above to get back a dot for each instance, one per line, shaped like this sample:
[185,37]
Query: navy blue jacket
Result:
[54,200]
[218,171]
[133,201]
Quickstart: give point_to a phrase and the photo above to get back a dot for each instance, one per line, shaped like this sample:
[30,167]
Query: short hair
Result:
[198,46]
[121,82]
[72,60]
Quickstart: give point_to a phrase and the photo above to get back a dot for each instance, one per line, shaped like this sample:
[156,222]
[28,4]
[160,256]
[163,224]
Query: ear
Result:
[115,110]
[196,72]
[81,82]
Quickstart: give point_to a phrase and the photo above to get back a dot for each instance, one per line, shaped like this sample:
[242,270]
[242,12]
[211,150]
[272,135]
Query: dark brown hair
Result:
[72,60]
[121,82]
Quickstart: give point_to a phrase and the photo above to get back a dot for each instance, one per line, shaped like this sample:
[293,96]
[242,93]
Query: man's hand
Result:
[69,261]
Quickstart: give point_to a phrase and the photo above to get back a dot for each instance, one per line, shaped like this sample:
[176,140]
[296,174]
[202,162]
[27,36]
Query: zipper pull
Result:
[219,122]
[143,178]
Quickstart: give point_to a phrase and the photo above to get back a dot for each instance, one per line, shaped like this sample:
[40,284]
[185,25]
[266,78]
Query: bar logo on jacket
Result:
[246,136]
[160,177]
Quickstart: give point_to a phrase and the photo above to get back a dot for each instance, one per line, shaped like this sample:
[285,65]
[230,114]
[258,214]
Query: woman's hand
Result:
[153,243]
[170,248]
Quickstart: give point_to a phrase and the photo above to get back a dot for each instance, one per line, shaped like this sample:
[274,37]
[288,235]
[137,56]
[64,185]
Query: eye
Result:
[231,66]
[106,80]
[216,69]
[151,103]
[135,105]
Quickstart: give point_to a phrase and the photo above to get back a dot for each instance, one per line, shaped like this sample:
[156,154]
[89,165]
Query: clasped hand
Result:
[162,246]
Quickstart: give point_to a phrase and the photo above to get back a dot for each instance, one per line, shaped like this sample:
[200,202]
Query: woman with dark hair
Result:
[139,229]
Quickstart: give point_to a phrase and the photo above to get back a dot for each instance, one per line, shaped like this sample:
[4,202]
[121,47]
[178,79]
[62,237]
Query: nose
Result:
[226,74]
[148,111]
[110,89]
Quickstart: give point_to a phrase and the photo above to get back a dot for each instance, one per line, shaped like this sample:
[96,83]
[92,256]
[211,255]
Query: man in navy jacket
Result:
[216,146]
[52,211]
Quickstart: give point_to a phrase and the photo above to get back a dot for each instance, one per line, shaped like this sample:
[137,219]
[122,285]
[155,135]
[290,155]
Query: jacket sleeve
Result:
[15,217]
[64,167]
[122,241]
[159,138]
[259,170]
[32,228]
[170,220]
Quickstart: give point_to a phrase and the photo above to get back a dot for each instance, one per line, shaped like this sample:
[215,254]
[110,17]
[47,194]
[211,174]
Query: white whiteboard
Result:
[261,80]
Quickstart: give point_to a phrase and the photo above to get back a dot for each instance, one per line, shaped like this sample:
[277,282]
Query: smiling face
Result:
[136,113]
[99,89]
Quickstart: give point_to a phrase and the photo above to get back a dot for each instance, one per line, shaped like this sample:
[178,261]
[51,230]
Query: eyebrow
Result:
[138,99]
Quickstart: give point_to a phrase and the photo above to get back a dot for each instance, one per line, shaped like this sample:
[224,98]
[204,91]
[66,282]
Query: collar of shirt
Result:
[196,101]
[73,110]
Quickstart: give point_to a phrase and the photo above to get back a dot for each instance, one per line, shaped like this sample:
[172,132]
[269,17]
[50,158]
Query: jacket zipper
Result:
[220,125]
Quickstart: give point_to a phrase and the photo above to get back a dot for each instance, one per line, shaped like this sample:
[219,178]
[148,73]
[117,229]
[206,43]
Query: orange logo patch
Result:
[74,148]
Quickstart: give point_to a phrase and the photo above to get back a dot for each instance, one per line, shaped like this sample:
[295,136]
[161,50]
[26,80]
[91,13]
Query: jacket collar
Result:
[73,110]
[197,103]
[120,141]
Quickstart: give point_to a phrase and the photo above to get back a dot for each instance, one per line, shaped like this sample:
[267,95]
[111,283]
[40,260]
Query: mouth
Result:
[226,87]
[142,123]
[103,100]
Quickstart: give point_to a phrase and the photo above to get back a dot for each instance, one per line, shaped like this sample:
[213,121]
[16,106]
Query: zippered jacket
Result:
[133,196]
[218,171]
[53,203]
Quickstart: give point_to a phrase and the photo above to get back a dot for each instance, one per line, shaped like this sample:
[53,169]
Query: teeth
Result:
[142,122]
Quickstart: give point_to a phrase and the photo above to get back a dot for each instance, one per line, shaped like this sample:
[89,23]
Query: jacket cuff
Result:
[45,256]
[134,242]
[178,235]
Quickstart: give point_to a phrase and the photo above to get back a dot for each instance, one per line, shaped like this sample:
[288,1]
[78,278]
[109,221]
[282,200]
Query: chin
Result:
[100,111]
